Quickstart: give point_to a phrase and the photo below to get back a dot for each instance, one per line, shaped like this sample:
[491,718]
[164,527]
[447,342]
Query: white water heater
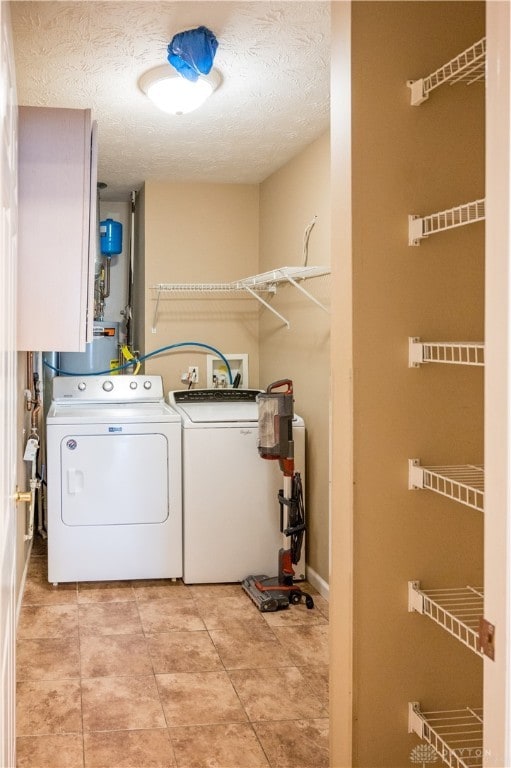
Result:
[101,354]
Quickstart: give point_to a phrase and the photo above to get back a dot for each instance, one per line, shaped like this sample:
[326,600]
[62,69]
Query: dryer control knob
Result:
[147,385]
[108,386]
[81,386]
[133,384]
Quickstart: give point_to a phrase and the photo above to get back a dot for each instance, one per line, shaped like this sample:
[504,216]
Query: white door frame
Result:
[8,384]
[497,687]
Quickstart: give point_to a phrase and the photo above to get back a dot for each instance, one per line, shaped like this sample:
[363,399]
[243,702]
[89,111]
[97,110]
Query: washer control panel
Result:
[214,395]
[114,389]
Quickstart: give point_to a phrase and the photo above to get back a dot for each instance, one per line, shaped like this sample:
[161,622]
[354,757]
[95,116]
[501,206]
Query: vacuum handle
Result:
[281,383]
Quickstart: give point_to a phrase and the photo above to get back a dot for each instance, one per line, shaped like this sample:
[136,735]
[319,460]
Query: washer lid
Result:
[208,406]
[209,413]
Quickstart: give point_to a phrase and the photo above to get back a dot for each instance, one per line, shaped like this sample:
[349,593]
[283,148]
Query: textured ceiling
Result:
[274,58]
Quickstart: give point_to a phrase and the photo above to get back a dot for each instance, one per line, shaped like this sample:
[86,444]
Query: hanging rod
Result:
[449,352]
[456,735]
[254,286]
[461,482]
[458,611]
[468,67]
[421,227]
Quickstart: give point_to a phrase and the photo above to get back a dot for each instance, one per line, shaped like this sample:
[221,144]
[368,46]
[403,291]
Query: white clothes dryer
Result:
[231,518]
[114,480]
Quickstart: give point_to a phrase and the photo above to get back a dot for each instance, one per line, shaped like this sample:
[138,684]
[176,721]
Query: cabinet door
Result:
[56,209]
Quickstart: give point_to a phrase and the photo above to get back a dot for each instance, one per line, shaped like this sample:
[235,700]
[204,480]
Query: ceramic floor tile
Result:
[322,605]
[39,621]
[295,615]
[114,656]
[160,589]
[248,645]
[214,591]
[47,659]
[218,746]
[168,615]
[129,749]
[48,707]
[277,666]
[295,743]
[219,613]
[199,698]
[183,652]
[39,547]
[276,694]
[109,619]
[307,646]
[318,681]
[121,703]
[65,751]
[105,592]
[38,591]
[37,569]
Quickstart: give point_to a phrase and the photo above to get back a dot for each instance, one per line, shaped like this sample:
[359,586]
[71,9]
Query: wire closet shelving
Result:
[460,482]
[448,352]
[420,227]
[455,735]
[254,287]
[467,67]
[457,610]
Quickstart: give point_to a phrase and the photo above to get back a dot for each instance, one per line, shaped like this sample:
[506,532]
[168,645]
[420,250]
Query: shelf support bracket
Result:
[415,598]
[306,293]
[487,638]
[155,315]
[415,475]
[417,95]
[415,230]
[415,353]
[268,306]
[415,723]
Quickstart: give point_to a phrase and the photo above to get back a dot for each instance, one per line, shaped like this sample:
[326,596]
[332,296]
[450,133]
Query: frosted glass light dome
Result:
[174,94]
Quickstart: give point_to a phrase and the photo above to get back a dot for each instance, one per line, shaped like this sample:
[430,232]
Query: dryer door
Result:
[118,479]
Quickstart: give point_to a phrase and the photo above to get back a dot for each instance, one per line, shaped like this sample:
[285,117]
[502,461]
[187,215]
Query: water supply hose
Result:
[137,360]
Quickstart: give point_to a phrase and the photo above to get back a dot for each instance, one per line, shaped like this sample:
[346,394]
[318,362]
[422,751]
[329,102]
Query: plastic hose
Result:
[137,360]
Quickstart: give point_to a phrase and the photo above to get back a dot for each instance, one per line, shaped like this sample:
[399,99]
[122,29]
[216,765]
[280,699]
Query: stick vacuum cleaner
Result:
[276,443]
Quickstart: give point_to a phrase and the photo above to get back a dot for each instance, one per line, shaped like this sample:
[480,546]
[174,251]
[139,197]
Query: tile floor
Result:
[158,674]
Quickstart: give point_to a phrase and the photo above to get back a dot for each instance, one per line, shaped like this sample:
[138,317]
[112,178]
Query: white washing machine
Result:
[231,517]
[114,480]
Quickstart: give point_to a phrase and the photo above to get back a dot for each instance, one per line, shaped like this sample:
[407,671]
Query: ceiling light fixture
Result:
[174,94]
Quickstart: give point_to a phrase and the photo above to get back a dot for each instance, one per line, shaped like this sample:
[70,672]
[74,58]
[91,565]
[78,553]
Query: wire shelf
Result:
[463,482]
[201,288]
[458,611]
[468,67]
[422,227]
[264,282]
[253,286]
[455,735]
[449,352]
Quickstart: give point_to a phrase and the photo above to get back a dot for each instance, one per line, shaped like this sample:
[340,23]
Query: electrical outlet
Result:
[193,374]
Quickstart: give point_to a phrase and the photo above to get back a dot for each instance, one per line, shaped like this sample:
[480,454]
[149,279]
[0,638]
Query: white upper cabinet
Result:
[57,228]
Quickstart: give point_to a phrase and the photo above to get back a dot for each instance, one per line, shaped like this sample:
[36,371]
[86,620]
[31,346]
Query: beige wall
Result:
[200,233]
[409,160]
[289,199]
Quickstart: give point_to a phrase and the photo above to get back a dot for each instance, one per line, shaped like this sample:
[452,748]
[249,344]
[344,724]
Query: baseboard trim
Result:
[318,583]
[22,584]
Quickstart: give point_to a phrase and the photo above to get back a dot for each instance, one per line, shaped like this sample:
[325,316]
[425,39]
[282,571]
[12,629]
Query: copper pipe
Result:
[30,379]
